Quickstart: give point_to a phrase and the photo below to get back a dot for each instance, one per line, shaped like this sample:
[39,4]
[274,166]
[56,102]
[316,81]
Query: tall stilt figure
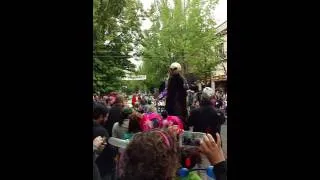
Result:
[176,93]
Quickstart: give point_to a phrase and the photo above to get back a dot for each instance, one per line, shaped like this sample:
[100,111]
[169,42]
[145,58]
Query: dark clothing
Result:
[105,161]
[99,130]
[176,104]
[96,173]
[220,170]
[206,119]
[114,116]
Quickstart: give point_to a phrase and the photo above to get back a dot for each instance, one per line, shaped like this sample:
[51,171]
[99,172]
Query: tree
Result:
[116,33]
[181,32]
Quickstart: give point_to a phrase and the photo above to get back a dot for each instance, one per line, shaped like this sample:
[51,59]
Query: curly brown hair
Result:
[134,123]
[151,155]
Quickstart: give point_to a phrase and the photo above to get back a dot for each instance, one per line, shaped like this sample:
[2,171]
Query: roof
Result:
[222,27]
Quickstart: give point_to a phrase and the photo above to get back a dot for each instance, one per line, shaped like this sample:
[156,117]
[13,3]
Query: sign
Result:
[134,78]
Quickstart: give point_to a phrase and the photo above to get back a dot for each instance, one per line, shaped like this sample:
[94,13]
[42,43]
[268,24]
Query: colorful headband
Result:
[164,137]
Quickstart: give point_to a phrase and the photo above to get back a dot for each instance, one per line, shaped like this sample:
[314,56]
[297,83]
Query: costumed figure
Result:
[176,104]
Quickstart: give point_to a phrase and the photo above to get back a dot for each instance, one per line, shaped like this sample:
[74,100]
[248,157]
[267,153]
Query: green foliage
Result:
[116,33]
[181,33]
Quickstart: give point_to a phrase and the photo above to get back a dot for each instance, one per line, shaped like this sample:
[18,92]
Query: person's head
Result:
[151,109]
[125,115]
[119,100]
[206,96]
[143,102]
[164,114]
[175,68]
[151,155]
[99,113]
[134,123]
[136,105]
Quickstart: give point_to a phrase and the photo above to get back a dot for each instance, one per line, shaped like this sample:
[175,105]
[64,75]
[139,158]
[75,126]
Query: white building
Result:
[219,76]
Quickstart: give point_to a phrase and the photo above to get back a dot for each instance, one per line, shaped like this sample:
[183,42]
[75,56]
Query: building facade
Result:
[219,76]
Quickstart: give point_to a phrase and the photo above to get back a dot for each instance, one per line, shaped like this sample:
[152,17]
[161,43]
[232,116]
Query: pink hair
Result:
[146,123]
[173,120]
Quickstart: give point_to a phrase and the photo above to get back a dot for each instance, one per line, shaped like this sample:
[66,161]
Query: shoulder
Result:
[116,125]
[196,110]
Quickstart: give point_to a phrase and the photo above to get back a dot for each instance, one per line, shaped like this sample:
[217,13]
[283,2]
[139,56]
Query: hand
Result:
[212,149]
[99,143]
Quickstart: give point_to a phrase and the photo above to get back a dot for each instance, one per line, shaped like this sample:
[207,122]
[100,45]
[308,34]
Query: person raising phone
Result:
[213,151]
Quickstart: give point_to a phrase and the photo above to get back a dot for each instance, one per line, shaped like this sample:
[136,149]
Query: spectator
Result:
[213,151]
[134,99]
[121,128]
[114,113]
[150,121]
[150,155]
[164,115]
[205,118]
[99,116]
[151,109]
[97,143]
[104,161]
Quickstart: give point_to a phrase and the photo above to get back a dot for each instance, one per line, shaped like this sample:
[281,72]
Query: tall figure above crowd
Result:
[176,93]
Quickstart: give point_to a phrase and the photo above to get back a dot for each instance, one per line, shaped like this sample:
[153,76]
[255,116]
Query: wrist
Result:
[216,160]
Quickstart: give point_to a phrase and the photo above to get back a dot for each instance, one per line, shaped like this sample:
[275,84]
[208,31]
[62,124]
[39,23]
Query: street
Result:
[224,138]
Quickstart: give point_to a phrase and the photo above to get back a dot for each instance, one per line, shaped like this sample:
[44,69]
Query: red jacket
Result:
[134,100]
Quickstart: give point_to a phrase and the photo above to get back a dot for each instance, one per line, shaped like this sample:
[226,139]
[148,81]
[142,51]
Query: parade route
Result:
[224,138]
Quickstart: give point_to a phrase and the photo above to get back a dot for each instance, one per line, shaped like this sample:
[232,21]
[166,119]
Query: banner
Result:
[134,78]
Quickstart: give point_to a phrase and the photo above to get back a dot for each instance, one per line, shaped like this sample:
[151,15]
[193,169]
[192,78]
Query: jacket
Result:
[119,131]
[220,170]
[206,119]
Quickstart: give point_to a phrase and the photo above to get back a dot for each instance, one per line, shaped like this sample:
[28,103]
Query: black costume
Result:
[176,97]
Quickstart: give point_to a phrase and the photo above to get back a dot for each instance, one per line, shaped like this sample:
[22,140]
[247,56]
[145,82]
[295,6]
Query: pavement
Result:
[224,138]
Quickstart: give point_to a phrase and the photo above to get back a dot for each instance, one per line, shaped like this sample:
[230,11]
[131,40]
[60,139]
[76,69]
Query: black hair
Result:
[218,104]
[164,114]
[98,110]
[125,115]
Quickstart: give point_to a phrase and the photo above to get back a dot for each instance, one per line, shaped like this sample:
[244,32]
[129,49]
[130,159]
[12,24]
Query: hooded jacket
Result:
[120,131]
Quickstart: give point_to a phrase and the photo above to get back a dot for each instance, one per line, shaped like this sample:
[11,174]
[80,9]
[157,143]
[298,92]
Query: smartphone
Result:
[188,138]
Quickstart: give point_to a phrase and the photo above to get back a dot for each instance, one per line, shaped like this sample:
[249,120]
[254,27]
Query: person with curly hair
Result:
[150,155]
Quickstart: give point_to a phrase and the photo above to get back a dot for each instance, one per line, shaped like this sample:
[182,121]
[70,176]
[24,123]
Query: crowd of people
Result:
[153,151]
